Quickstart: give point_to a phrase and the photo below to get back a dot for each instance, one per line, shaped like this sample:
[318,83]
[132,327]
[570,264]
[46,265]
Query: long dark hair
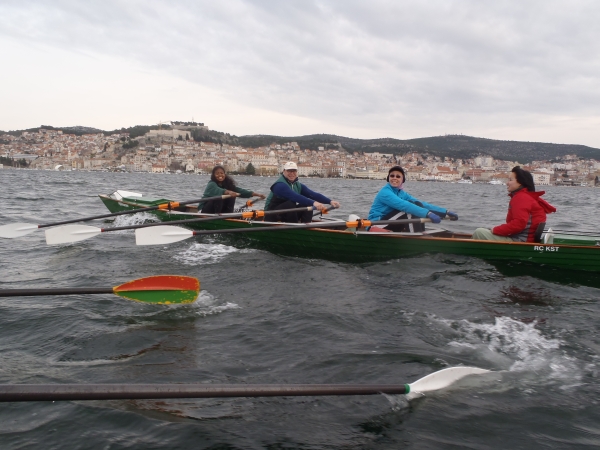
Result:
[228,183]
[524,178]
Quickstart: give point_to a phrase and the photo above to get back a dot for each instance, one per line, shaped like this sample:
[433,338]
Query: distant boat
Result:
[464,181]
[496,182]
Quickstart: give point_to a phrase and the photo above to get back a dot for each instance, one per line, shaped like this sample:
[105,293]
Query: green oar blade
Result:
[15,230]
[70,233]
[162,234]
[443,378]
[160,289]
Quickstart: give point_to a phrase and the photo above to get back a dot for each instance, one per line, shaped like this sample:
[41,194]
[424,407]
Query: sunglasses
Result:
[395,176]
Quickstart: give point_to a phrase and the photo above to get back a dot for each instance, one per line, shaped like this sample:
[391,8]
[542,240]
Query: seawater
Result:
[263,318]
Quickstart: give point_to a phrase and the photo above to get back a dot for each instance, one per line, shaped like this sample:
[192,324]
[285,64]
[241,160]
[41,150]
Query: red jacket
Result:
[526,211]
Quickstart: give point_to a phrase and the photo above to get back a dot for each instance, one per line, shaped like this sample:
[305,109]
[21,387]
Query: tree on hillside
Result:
[132,143]
[175,165]
[250,169]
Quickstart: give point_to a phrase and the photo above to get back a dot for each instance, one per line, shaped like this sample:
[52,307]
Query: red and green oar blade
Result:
[56,392]
[159,290]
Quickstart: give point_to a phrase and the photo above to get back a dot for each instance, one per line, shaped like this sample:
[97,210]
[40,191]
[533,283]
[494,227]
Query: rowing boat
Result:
[348,245]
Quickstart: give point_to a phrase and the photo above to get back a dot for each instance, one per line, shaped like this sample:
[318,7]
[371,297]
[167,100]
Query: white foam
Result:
[401,402]
[134,219]
[206,304]
[206,253]
[519,345]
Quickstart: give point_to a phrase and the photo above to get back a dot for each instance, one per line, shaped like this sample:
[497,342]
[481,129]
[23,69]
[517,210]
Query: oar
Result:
[160,289]
[54,392]
[15,230]
[248,204]
[251,203]
[573,232]
[167,234]
[75,233]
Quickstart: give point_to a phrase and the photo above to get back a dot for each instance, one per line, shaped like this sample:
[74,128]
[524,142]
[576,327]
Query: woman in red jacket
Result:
[526,211]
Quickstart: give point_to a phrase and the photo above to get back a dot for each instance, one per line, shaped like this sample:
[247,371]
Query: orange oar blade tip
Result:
[160,289]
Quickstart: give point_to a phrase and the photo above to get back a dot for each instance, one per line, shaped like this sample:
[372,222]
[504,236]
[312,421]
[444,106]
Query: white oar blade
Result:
[70,233]
[161,234]
[443,378]
[15,230]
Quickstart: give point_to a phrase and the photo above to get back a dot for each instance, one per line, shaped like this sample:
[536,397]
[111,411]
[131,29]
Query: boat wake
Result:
[206,253]
[517,347]
[133,219]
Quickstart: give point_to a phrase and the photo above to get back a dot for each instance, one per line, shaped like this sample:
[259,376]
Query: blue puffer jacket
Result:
[389,199]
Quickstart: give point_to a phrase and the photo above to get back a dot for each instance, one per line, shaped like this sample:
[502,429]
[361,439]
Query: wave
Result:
[517,347]
[206,253]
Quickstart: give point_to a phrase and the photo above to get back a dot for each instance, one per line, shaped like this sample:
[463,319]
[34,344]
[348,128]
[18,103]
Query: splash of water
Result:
[134,219]
[209,253]
[521,345]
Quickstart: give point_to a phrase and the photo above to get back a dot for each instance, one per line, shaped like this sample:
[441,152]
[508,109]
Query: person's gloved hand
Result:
[452,215]
[434,217]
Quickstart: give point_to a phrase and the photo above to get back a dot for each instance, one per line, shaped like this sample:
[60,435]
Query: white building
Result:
[541,178]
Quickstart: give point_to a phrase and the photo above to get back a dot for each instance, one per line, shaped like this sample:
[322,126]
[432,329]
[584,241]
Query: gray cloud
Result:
[386,65]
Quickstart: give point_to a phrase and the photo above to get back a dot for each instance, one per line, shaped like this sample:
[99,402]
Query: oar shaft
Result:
[54,392]
[56,291]
[135,211]
[263,228]
[574,232]
[208,219]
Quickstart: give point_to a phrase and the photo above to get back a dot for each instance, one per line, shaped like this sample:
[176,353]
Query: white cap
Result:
[290,165]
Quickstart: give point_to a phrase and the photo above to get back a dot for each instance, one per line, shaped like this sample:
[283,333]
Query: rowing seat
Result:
[537,237]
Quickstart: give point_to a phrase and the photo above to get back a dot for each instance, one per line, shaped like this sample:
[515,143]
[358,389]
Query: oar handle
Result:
[250,203]
[324,211]
[55,392]
[166,206]
[56,291]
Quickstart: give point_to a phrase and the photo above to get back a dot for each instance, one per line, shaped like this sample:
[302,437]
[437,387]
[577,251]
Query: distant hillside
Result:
[77,130]
[468,147]
[454,146]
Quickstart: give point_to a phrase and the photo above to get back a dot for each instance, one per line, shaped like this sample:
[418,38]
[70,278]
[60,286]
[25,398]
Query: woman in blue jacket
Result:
[392,203]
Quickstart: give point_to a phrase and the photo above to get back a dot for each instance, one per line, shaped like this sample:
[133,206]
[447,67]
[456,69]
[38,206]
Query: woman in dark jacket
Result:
[526,211]
[222,184]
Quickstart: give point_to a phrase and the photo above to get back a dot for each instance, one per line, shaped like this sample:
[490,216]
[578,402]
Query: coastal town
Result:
[174,150]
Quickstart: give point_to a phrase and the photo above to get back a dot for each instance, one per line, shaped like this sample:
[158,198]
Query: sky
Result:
[510,70]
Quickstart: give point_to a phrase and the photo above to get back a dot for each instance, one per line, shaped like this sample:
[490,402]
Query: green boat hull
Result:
[347,246]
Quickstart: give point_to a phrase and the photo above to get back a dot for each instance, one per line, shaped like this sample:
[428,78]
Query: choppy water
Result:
[262,318]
